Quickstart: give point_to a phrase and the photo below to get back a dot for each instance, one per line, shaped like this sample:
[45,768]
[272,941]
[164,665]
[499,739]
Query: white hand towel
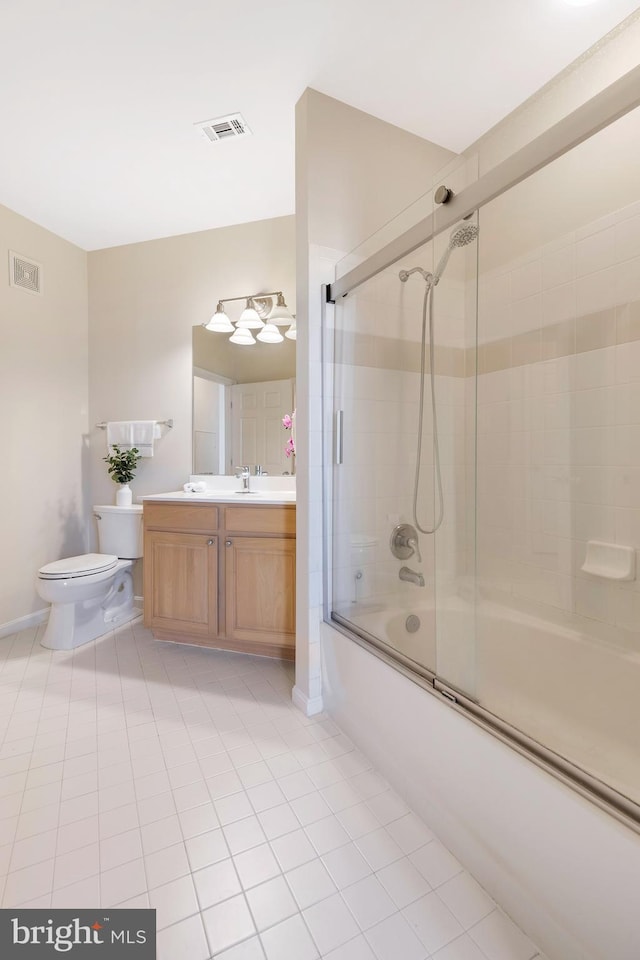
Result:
[119,432]
[133,433]
[195,487]
[143,432]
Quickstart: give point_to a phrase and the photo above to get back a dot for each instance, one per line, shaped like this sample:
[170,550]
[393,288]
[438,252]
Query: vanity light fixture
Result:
[270,334]
[243,337]
[250,318]
[259,314]
[280,314]
[220,322]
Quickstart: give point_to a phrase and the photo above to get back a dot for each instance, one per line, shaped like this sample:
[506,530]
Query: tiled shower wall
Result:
[559,423]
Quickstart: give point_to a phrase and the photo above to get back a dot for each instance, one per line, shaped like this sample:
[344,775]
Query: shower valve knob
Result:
[404,542]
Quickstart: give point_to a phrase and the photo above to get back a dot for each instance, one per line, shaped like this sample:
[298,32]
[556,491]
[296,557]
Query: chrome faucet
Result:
[259,471]
[243,473]
[411,576]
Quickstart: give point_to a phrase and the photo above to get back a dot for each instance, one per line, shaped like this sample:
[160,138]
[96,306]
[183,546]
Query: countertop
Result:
[259,497]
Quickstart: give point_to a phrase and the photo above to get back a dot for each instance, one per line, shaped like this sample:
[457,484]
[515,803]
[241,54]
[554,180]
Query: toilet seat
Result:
[83,566]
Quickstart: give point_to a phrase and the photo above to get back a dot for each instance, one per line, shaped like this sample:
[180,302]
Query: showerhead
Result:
[460,237]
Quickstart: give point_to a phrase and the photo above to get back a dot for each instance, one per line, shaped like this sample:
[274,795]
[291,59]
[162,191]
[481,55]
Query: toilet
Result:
[93,593]
[363,558]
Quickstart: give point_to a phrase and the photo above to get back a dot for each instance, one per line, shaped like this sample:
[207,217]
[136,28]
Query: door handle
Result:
[210,543]
[339,436]
[228,542]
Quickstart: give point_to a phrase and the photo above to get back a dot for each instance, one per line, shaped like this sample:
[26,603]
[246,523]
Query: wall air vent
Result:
[224,128]
[25,273]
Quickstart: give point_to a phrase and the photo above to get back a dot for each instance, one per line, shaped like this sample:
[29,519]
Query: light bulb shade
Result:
[270,334]
[249,319]
[291,332]
[243,337]
[220,322]
[280,314]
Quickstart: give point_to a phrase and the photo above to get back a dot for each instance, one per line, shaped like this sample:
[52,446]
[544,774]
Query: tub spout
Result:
[411,576]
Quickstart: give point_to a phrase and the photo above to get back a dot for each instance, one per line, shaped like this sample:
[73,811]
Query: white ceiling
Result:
[98,99]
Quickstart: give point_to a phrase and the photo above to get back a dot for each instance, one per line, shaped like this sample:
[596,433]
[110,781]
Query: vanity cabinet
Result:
[221,576]
[260,574]
[181,569]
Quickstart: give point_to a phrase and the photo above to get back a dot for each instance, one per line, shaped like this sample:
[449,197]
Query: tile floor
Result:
[138,773]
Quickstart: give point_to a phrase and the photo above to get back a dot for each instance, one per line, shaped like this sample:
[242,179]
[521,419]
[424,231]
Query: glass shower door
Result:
[385,597]
[402,536]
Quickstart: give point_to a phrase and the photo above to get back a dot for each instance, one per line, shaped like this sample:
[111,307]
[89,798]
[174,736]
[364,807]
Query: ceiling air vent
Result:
[225,128]
[25,273]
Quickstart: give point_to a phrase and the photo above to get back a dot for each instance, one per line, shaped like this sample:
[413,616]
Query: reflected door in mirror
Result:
[258,436]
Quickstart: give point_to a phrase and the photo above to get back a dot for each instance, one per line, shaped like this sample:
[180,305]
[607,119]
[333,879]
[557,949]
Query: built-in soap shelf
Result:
[610,561]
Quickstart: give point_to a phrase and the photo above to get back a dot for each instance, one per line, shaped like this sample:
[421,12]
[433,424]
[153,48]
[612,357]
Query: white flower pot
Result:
[124,496]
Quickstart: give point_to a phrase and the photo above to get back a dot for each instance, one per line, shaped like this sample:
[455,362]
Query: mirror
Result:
[240,395]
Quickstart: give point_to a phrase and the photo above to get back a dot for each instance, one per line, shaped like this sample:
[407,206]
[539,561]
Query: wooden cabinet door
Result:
[260,575]
[181,582]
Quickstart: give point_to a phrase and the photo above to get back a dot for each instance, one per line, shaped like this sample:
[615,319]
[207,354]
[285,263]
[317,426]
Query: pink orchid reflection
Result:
[288,422]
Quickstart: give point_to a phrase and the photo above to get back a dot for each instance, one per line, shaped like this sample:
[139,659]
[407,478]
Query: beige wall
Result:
[43,400]
[144,300]
[361,171]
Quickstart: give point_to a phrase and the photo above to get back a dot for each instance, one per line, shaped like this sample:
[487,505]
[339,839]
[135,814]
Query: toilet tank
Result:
[120,530]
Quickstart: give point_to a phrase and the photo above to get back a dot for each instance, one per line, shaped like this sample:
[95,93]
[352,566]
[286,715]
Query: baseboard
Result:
[310,706]
[23,623]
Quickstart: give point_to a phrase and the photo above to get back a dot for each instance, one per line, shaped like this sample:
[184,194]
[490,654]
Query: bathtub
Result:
[565,870]
[565,689]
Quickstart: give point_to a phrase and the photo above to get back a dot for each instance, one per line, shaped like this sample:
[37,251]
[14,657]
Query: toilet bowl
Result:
[93,593]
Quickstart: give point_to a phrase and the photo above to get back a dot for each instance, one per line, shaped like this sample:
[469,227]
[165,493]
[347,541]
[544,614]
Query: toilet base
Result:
[71,625]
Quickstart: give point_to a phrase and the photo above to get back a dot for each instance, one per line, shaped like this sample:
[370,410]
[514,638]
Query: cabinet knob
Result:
[210,543]
[228,542]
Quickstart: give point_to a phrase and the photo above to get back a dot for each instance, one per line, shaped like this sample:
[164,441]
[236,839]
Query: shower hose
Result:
[427,308]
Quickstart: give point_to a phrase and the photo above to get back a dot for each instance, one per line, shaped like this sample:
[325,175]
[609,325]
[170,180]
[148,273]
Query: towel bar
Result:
[164,423]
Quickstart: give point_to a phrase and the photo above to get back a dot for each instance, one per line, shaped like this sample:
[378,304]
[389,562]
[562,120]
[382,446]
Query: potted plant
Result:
[122,468]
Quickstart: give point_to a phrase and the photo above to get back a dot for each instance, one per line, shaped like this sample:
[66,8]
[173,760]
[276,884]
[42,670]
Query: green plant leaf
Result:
[122,463]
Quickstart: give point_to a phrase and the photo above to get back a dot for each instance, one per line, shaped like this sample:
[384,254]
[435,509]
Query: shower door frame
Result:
[612,103]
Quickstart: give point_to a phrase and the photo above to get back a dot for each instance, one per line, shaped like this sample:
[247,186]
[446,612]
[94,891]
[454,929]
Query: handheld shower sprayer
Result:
[462,235]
